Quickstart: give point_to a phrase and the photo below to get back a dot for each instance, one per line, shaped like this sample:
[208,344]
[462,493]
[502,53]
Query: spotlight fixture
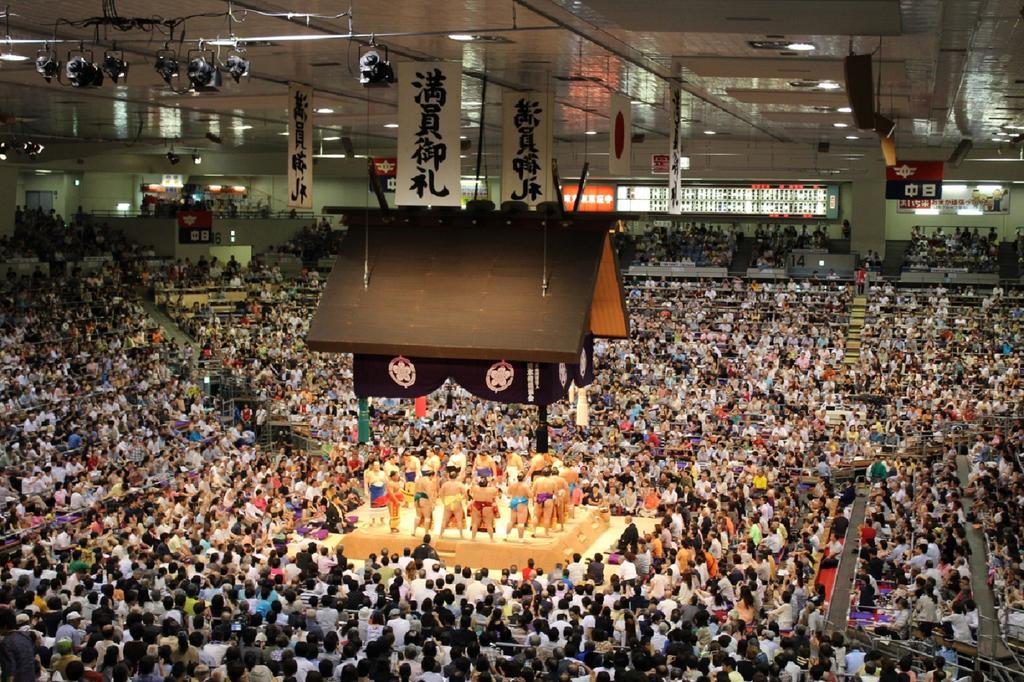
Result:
[237,66]
[83,72]
[115,66]
[167,65]
[201,72]
[173,158]
[375,70]
[3,151]
[31,149]
[47,64]
[197,158]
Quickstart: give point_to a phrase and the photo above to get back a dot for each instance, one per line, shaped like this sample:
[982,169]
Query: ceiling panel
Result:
[948,68]
[839,17]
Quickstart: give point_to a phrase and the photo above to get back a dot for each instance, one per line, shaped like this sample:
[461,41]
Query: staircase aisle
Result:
[854,330]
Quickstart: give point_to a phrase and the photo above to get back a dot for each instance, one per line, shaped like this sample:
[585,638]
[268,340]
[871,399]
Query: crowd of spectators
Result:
[721,419]
[693,244]
[772,244]
[313,242]
[956,248]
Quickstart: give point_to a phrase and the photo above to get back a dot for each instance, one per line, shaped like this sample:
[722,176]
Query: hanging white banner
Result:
[300,146]
[429,104]
[675,170]
[620,126]
[526,147]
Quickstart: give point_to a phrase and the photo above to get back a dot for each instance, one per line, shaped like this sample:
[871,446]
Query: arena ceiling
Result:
[946,69]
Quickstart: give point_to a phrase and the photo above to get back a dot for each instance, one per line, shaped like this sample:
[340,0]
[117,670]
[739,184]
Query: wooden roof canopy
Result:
[468,285]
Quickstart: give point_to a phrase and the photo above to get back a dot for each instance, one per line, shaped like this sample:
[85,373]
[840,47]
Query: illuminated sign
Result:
[596,198]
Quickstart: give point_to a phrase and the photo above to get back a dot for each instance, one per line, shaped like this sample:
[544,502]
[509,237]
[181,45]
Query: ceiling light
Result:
[590,132]
[998,139]
[829,85]
[375,70]
[710,132]
[166,65]
[197,159]
[8,56]
[115,66]
[82,72]
[462,37]
[333,138]
[243,127]
[285,133]
[801,47]
[237,66]
[636,101]
[201,73]
[471,103]
[390,125]
[323,110]
[47,65]
[3,151]
[463,137]
[173,158]
[852,137]
[840,124]
[845,110]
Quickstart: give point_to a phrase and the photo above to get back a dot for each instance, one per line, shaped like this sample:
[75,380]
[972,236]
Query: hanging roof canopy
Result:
[469,286]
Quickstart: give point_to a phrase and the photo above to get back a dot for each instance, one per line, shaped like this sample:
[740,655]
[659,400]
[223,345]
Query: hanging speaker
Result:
[859,89]
[346,144]
[638,138]
[823,147]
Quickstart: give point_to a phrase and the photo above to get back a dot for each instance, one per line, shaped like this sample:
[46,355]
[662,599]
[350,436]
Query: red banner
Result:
[421,407]
[195,220]
[915,171]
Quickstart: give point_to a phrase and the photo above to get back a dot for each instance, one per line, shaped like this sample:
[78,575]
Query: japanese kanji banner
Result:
[300,146]
[675,170]
[429,104]
[620,126]
[526,147]
[914,180]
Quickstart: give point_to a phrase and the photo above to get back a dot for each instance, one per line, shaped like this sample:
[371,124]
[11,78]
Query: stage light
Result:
[201,73]
[115,66]
[197,159]
[173,158]
[47,65]
[82,72]
[237,66]
[375,70]
[31,149]
[167,65]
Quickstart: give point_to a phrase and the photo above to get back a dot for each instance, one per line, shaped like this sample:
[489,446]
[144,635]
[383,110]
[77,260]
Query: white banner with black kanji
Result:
[300,146]
[526,148]
[429,117]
